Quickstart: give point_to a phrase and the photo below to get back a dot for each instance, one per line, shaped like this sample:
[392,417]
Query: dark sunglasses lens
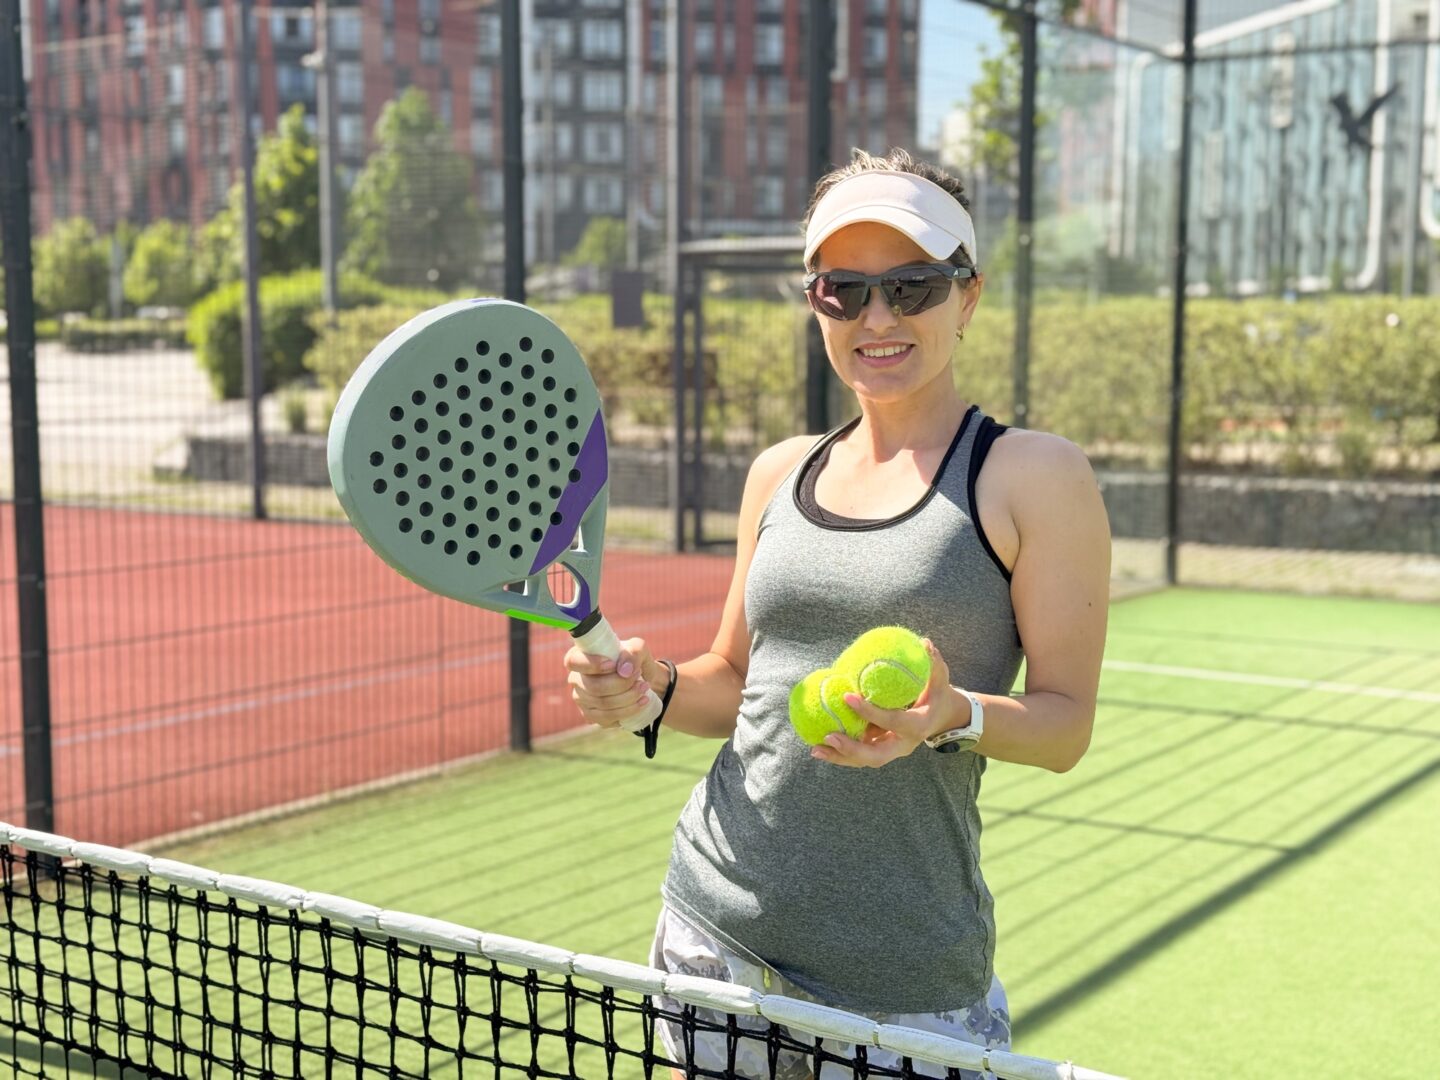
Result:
[837,297]
[914,292]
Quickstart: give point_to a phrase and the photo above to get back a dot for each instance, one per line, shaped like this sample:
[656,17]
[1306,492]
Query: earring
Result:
[960,333]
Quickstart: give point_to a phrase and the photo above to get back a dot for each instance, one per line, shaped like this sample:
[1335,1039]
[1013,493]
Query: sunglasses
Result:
[908,290]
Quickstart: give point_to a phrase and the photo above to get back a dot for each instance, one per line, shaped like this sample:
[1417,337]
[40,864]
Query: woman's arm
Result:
[706,702]
[1053,531]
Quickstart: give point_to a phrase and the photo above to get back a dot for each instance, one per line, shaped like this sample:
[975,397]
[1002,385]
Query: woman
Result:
[849,873]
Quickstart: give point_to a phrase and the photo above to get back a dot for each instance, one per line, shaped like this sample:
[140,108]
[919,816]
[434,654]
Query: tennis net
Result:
[154,967]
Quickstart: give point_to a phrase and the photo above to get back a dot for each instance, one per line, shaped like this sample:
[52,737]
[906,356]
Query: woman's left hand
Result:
[894,733]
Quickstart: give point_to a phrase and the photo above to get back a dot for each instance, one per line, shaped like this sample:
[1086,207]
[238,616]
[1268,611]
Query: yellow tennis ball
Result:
[817,707]
[889,665]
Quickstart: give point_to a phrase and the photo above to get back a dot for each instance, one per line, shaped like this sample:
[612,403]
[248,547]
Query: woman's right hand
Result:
[608,692]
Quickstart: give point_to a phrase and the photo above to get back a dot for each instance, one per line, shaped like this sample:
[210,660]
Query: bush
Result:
[159,269]
[119,335]
[287,303]
[72,267]
[338,350]
[1347,386]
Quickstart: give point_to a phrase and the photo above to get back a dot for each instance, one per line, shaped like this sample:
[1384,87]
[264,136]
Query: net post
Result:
[29,521]
[513,135]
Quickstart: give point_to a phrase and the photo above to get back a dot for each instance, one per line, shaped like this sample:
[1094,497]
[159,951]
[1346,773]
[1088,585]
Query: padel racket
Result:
[469,451]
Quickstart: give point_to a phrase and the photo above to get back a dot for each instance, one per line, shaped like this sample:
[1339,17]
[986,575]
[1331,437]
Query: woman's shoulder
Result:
[1024,449]
[1034,467]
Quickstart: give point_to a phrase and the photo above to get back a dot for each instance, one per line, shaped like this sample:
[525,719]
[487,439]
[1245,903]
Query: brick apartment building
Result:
[136,114]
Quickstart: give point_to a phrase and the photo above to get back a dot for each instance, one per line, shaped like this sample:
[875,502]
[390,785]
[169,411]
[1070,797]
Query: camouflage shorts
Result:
[681,948]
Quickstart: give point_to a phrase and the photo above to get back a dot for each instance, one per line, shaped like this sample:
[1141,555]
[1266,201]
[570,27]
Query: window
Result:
[877,8]
[604,90]
[482,138]
[769,196]
[482,88]
[177,136]
[777,94]
[135,35]
[429,49]
[601,40]
[776,150]
[604,195]
[175,85]
[601,3]
[492,190]
[564,137]
[877,47]
[875,98]
[657,39]
[769,44]
[487,35]
[289,29]
[294,83]
[704,42]
[445,107]
[564,191]
[212,28]
[429,9]
[346,31]
[557,35]
[350,131]
[604,143]
[350,83]
[712,92]
[560,89]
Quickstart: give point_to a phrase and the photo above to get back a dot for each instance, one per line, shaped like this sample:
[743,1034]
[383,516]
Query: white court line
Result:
[1391,693]
[324,689]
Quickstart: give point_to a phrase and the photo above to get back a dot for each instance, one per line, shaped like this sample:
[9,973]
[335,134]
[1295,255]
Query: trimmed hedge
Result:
[1346,386]
[287,303]
[118,335]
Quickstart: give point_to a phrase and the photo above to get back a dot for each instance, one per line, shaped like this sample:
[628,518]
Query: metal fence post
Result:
[1177,328]
[512,121]
[1025,215]
[820,58]
[28,508]
[253,367]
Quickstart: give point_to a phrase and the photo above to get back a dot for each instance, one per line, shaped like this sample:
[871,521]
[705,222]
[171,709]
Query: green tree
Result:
[412,217]
[71,268]
[287,210]
[995,97]
[287,198]
[159,268]
[601,244]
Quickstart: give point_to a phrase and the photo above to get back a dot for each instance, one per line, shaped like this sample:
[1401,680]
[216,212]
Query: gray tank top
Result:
[861,886]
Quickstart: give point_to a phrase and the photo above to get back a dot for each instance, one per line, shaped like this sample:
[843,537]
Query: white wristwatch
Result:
[961,738]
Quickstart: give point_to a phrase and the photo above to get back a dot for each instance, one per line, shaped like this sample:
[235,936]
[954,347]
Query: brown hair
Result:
[897,160]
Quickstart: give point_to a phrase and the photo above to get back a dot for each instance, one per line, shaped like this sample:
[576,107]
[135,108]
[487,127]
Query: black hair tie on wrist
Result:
[651,734]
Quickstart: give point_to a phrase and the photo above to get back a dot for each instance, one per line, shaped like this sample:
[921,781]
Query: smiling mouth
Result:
[884,355]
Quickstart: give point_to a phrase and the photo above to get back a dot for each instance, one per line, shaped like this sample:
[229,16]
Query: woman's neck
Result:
[924,421]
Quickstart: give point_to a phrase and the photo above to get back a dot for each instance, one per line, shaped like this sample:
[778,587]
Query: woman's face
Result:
[863,351]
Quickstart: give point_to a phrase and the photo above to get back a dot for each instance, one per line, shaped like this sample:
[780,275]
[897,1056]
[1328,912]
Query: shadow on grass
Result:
[1051,1007]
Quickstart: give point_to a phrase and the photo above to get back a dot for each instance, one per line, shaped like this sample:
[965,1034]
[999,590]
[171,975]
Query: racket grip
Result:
[600,640]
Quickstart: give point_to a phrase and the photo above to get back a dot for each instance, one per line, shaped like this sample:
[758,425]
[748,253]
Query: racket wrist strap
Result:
[651,734]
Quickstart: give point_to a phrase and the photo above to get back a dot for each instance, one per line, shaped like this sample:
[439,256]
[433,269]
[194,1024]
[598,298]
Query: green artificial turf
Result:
[1239,879]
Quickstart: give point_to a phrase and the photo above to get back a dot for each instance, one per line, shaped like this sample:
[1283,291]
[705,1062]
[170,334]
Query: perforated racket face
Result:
[469,451]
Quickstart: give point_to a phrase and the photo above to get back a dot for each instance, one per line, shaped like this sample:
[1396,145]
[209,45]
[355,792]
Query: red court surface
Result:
[203,668]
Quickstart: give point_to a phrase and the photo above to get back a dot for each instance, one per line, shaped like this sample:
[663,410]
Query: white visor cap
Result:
[919,208]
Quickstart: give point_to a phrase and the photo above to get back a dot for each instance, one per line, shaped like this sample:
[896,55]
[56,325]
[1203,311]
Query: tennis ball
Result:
[889,665]
[817,707]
